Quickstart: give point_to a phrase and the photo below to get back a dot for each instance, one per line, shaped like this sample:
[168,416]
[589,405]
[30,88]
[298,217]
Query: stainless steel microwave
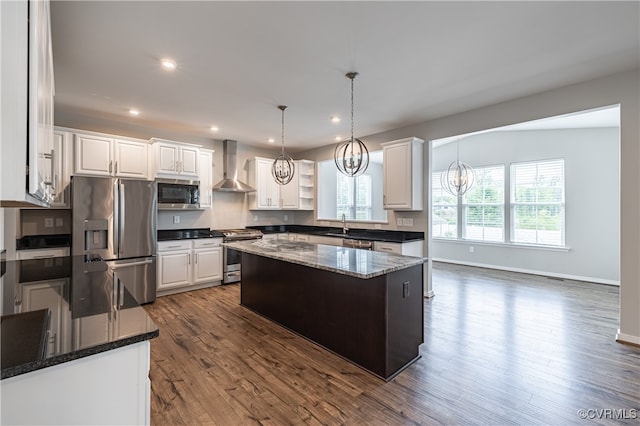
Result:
[178,194]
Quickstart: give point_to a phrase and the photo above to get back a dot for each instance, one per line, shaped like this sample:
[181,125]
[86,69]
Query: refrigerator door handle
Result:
[116,220]
[115,266]
[122,221]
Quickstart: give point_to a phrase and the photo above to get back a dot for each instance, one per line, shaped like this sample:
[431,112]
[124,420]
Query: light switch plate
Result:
[48,222]
[399,221]
[176,219]
[407,221]
[59,222]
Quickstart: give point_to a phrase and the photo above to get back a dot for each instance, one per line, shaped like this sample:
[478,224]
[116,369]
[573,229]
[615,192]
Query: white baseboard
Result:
[531,271]
[627,338]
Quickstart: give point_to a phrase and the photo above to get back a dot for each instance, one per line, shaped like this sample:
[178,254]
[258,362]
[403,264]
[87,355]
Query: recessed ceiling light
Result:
[134,111]
[271,140]
[334,119]
[214,128]
[168,64]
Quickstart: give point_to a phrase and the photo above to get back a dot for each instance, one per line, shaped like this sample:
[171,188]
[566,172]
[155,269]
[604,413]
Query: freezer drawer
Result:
[137,276]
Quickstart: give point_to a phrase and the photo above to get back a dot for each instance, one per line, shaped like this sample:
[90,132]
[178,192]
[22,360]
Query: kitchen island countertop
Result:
[342,260]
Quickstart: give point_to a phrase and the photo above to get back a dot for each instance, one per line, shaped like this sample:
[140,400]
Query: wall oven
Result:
[178,194]
[232,259]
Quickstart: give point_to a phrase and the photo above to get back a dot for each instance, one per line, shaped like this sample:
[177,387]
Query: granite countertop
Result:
[83,315]
[353,233]
[187,234]
[342,260]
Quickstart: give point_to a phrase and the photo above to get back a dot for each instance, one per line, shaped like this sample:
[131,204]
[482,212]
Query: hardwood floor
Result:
[500,348]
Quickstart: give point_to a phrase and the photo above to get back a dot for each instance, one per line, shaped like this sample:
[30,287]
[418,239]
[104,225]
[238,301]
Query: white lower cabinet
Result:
[111,387]
[410,248]
[188,264]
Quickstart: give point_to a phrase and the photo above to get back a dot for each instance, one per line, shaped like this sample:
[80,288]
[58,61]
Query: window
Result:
[353,197]
[536,213]
[445,210]
[483,206]
[537,202]
[359,198]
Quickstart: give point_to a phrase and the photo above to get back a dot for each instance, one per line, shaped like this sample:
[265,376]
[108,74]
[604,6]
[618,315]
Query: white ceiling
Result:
[238,60]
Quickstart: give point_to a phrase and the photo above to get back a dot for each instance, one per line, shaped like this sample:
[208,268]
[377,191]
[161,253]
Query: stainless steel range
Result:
[232,266]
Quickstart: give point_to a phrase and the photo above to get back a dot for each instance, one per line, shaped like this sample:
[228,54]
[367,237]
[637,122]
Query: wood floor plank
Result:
[500,348]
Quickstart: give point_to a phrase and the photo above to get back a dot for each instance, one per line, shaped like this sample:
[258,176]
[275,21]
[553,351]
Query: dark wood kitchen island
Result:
[365,306]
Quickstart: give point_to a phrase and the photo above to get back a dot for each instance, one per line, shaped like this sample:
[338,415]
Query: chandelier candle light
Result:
[351,156]
[283,167]
[459,177]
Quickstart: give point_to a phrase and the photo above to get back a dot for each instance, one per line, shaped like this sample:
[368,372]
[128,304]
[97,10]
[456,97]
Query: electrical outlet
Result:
[59,222]
[255,217]
[48,222]
[377,226]
[285,217]
[472,249]
[399,221]
[176,219]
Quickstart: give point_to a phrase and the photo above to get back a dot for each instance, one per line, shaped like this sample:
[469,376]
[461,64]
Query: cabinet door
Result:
[130,159]
[91,331]
[206,178]
[268,190]
[290,193]
[174,269]
[166,158]
[46,295]
[207,265]
[93,155]
[61,172]
[189,161]
[397,176]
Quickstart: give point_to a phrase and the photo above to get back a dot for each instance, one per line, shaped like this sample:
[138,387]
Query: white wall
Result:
[592,171]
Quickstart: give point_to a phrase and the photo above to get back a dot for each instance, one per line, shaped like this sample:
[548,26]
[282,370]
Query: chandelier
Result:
[351,156]
[283,167]
[459,177]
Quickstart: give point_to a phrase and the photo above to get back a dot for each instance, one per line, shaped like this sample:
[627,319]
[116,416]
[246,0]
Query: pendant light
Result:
[351,156]
[283,167]
[459,177]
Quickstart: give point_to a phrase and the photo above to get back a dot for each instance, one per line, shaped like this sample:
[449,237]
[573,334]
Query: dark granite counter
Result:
[342,260]
[59,309]
[353,233]
[32,242]
[187,234]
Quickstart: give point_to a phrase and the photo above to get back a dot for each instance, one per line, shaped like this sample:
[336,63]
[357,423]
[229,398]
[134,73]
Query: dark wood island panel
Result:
[376,323]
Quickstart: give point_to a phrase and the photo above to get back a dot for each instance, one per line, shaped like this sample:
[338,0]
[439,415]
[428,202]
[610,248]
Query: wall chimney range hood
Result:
[230,182]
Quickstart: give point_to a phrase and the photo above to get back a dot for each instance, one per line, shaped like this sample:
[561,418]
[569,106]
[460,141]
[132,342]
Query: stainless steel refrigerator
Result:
[115,219]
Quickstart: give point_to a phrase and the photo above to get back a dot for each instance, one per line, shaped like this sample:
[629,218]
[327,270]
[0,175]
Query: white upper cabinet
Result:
[103,155]
[62,158]
[267,195]
[403,174]
[175,159]
[206,177]
[270,195]
[27,87]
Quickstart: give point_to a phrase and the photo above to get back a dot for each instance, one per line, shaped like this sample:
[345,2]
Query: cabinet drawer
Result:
[41,253]
[387,247]
[174,245]
[207,242]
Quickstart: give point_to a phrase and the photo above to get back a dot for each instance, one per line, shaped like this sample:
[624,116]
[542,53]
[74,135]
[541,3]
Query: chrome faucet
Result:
[345,227]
